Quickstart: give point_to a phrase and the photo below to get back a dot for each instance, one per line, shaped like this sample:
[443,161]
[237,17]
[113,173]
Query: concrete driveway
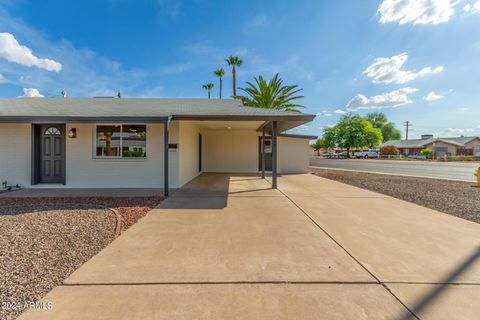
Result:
[229,247]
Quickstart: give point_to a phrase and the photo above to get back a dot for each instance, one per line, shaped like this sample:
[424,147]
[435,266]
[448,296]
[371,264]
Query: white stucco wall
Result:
[83,170]
[230,150]
[223,151]
[15,150]
[293,155]
[188,151]
[238,151]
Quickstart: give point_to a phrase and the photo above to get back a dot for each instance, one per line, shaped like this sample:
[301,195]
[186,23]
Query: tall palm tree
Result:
[208,87]
[271,95]
[220,73]
[234,61]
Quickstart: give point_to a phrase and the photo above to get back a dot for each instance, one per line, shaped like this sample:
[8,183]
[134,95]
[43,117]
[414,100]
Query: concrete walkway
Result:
[228,247]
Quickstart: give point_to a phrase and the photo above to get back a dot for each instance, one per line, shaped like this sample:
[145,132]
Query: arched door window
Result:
[52,131]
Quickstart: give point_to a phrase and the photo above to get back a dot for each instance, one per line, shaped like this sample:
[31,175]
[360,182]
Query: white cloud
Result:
[31,93]
[13,51]
[461,131]
[388,70]
[472,8]
[3,79]
[325,113]
[340,111]
[85,73]
[387,100]
[416,11]
[432,96]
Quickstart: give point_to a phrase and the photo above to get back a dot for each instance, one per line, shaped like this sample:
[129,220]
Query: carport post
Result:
[165,157]
[263,152]
[274,154]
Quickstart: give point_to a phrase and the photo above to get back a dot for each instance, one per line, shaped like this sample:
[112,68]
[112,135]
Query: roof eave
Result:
[76,119]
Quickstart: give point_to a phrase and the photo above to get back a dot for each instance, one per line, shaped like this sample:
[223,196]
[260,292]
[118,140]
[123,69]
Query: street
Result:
[447,170]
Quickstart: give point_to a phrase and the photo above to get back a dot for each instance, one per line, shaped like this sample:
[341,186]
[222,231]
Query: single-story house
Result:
[144,143]
[467,146]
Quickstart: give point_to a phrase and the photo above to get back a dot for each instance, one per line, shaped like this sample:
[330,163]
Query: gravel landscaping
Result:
[43,240]
[457,198]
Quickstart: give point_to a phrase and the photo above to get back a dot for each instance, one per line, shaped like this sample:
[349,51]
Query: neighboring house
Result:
[468,146]
[115,143]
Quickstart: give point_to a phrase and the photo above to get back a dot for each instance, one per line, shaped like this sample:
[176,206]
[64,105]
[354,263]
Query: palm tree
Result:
[208,87]
[220,73]
[234,62]
[271,95]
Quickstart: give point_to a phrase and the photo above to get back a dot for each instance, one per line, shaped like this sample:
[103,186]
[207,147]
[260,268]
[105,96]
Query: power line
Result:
[407,125]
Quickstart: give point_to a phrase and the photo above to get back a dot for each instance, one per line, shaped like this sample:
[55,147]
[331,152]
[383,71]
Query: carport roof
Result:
[137,109]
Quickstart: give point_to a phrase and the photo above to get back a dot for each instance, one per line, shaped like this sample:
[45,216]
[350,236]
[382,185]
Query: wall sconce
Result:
[72,133]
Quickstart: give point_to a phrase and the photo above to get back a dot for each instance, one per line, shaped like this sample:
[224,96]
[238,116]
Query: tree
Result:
[220,73]
[329,137]
[353,131]
[271,95]
[208,87]
[317,145]
[379,120]
[234,61]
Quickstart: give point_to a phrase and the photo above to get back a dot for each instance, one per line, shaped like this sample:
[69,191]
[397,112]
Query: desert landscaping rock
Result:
[461,199]
[42,241]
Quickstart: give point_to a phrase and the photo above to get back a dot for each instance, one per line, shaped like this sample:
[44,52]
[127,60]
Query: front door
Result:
[268,154]
[52,154]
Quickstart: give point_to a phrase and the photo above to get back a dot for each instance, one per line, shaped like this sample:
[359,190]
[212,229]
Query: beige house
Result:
[451,146]
[147,143]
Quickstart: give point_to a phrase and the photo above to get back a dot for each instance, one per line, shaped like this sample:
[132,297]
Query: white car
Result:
[366,154]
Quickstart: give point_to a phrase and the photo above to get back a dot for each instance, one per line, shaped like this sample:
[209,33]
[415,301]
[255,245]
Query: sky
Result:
[414,60]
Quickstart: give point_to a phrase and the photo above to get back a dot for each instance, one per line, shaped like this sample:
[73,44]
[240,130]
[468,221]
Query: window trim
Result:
[117,158]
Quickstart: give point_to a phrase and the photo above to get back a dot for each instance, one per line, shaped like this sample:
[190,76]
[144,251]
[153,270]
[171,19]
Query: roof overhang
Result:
[73,119]
[285,122]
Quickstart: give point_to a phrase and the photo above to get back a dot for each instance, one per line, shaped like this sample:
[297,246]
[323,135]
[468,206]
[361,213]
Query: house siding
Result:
[475,144]
[83,170]
[15,150]
[188,151]
[230,150]
[223,151]
[293,155]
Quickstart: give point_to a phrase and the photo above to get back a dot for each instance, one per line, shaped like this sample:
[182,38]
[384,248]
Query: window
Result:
[52,131]
[121,141]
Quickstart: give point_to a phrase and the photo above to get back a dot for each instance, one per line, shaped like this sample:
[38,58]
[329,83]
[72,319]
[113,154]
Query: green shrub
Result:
[427,153]
[389,151]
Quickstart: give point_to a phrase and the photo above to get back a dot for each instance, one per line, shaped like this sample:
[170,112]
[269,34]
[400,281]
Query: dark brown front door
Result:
[52,154]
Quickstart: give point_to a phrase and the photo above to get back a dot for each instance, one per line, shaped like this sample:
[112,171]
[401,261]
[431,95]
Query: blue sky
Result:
[416,60]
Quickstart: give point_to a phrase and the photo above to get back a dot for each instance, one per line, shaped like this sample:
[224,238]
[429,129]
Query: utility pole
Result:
[407,124]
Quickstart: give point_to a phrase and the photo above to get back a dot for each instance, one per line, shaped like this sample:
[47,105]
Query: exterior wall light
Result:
[72,133]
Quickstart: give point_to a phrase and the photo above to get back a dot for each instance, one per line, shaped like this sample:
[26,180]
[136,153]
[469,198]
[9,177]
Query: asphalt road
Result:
[450,170]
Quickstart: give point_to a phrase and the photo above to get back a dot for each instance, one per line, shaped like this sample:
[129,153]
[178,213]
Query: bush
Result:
[427,153]
[389,151]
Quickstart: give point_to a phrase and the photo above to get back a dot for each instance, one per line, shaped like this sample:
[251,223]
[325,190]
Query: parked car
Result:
[341,154]
[366,154]
[328,154]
